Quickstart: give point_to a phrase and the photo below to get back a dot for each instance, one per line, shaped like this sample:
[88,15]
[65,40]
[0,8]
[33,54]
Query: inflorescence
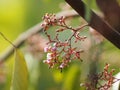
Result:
[60,53]
[101,81]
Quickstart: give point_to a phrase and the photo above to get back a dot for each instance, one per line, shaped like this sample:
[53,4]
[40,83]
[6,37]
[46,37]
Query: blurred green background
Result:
[16,16]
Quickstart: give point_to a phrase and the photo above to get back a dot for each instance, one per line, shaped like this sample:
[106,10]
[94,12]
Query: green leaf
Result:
[71,81]
[20,73]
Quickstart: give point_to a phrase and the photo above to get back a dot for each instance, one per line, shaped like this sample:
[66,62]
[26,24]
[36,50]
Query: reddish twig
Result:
[60,53]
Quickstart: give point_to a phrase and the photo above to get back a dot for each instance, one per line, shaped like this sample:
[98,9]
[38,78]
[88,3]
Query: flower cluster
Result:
[61,57]
[60,53]
[101,81]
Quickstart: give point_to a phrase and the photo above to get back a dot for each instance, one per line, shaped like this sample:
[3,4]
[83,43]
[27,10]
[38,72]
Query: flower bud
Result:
[46,49]
[49,55]
[54,48]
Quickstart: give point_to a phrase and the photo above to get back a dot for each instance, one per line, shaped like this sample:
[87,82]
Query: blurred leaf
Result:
[20,73]
[72,78]
[58,77]
[118,2]
[12,19]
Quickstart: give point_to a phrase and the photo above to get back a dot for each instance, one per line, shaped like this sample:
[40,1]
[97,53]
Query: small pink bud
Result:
[42,25]
[49,47]
[77,55]
[61,66]
[54,44]
[47,61]
[54,48]
[46,49]
[49,55]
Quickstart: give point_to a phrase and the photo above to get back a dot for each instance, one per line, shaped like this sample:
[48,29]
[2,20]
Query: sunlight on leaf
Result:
[20,73]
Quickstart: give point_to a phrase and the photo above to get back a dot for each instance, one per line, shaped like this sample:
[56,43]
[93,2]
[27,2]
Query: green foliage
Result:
[72,78]
[20,73]
[118,2]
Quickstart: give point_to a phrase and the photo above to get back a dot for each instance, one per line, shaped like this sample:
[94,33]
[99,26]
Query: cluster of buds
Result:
[60,58]
[101,81]
[60,53]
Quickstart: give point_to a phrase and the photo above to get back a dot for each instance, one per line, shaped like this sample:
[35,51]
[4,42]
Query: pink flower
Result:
[46,49]
[47,61]
[49,55]
[54,48]
[61,66]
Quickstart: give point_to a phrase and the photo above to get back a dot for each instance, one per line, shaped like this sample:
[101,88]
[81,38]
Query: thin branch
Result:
[33,30]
